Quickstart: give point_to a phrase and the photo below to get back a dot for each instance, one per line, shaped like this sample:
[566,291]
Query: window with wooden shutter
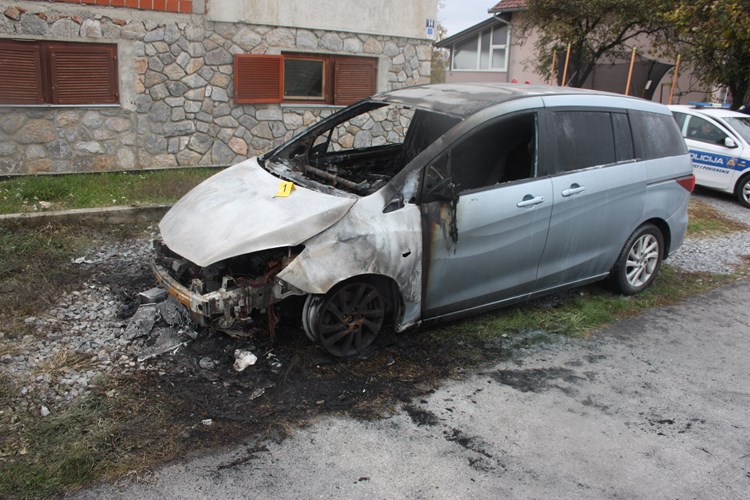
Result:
[21,69]
[39,72]
[258,78]
[83,73]
[303,78]
[354,79]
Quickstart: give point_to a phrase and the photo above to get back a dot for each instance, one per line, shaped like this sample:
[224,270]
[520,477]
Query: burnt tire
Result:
[347,319]
[639,261]
[743,191]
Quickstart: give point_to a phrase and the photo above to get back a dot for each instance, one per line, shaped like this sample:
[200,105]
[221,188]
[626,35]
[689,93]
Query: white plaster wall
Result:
[405,18]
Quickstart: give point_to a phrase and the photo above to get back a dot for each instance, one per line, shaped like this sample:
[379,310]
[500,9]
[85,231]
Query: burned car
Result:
[432,202]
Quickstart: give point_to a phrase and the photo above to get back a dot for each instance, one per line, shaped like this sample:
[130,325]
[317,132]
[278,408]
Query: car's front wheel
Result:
[743,191]
[347,319]
[639,261]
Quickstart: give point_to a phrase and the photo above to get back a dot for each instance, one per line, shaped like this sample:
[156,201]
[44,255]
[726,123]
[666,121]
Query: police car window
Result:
[741,125]
[584,139]
[704,131]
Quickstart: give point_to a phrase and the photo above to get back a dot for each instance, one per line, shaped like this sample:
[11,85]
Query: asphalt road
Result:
[656,406]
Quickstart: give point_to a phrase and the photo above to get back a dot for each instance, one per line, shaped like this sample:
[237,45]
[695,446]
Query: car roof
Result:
[720,112]
[465,99]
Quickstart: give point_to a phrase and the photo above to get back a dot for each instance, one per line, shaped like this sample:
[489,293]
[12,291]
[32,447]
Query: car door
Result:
[485,217]
[713,161]
[598,190]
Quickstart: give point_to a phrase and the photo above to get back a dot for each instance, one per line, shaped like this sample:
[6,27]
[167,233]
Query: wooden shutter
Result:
[258,78]
[21,69]
[354,79]
[83,73]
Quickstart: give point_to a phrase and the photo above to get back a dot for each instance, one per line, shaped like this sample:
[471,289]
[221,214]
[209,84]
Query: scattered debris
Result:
[44,411]
[152,296]
[82,260]
[243,359]
[207,422]
[142,322]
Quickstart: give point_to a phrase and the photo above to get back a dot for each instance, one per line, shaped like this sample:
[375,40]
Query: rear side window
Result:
[657,135]
[624,149]
[583,139]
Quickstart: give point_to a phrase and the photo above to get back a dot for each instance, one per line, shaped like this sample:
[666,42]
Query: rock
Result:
[243,359]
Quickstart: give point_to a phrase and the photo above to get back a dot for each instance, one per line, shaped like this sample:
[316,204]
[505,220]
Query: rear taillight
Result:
[687,182]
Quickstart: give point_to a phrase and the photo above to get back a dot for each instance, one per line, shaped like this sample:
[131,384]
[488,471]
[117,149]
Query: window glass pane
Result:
[465,56]
[623,137]
[500,35]
[484,61]
[680,119]
[741,126]
[584,139]
[498,59]
[658,135]
[303,78]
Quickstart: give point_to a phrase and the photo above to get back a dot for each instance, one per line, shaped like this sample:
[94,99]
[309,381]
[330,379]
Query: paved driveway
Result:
[656,406]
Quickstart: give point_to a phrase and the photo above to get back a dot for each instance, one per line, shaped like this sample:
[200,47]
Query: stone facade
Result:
[176,85]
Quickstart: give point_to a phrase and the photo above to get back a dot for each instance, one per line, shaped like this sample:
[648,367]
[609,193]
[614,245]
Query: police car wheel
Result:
[639,261]
[743,191]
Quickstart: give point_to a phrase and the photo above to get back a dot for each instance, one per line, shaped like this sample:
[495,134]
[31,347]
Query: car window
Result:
[741,125]
[657,135]
[501,152]
[583,139]
[680,119]
[704,131]
[624,149]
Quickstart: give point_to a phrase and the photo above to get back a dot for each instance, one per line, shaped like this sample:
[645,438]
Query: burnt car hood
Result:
[236,212]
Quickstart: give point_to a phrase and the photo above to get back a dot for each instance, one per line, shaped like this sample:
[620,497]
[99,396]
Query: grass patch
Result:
[575,313]
[706,221]
[43,456]
[61,192]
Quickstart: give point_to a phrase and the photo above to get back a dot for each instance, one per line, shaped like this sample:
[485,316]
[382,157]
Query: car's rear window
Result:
[657,135]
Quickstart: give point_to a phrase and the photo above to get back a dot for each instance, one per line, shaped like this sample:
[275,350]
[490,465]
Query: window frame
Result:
[493,46]
[334,93]
[57,83]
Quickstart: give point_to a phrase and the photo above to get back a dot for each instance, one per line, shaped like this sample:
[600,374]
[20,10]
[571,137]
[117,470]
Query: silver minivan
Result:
[432,202]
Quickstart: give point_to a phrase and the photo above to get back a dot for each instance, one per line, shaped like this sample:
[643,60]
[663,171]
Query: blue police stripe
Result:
[716,160]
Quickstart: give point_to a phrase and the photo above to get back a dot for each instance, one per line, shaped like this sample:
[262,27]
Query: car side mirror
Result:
[729,142]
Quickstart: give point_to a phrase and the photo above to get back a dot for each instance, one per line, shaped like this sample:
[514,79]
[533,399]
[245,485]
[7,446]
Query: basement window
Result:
[41,72]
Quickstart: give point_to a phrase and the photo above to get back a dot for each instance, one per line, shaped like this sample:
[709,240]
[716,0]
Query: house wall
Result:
[522,61]
[381,17]
[176,90]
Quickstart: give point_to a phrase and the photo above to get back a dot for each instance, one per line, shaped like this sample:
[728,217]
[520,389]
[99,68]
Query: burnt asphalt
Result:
[654,406]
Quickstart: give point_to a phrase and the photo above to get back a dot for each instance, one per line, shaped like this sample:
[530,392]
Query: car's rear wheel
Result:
[743,191]
[639,261]
[347,319]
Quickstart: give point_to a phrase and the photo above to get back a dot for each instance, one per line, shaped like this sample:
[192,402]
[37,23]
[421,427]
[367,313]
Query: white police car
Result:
[719,144]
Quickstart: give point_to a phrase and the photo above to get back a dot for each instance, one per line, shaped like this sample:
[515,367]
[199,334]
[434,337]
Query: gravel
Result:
[716,254]
[82,337]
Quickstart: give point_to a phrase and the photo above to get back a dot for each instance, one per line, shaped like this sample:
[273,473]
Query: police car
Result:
[719,144]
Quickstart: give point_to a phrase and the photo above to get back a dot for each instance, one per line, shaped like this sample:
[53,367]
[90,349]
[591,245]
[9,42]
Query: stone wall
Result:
[176,90]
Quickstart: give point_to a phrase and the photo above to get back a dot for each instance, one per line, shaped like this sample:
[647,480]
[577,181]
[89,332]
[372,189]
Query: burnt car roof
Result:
[465,99]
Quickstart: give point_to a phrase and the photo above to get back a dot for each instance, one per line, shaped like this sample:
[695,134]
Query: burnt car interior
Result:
[504,151]
[361,153]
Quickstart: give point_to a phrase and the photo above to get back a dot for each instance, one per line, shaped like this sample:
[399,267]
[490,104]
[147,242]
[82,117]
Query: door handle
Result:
[530,200]
[573,189]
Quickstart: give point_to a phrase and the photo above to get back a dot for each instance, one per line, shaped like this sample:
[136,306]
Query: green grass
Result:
[575,314]
[105,434]
[60,192]
[704,221]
